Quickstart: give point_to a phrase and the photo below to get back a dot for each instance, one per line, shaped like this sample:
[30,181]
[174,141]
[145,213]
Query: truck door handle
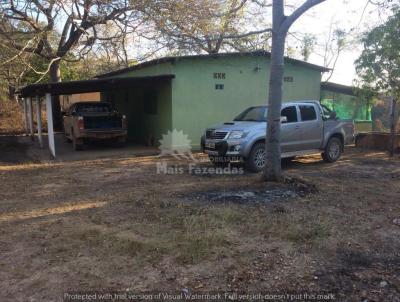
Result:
[297,127]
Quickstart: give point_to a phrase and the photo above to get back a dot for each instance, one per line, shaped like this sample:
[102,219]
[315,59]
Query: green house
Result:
[190,93]
[347,104]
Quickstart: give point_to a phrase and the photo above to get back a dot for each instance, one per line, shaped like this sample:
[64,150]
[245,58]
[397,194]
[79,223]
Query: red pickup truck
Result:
[86,121]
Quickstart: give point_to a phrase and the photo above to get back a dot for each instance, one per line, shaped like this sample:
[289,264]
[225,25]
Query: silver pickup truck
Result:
[306,128]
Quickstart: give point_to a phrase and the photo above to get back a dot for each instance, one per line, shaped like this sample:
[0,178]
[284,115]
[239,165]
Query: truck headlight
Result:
[237,134]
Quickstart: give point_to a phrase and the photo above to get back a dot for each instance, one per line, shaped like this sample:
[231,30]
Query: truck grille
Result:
[212,134]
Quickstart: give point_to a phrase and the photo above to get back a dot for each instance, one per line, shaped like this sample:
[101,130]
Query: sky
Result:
[347,14]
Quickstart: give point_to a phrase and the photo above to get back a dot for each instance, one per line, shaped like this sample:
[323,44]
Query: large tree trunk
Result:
[280,28]
[272,170]
[55,77]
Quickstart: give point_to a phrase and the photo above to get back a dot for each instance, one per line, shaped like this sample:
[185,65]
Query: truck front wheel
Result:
[255,162]
[333,150]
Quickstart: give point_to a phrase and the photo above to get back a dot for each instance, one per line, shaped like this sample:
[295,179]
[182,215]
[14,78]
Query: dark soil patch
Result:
[366,274]
[12,151]
[243,195]
[260,193]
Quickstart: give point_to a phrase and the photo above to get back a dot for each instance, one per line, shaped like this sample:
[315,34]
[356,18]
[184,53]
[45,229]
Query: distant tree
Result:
[335,44]
[208,26]
[17,68]
[280,27]
[379,63]
[307,46]
[38,21]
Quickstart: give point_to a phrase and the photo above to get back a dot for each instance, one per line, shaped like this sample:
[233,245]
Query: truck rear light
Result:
[124,122]
[81,124]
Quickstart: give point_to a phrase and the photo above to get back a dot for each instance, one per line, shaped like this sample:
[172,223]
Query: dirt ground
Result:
[116,224]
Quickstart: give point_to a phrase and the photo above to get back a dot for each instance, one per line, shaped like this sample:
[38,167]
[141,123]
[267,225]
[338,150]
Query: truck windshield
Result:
[95,107]
[253,114]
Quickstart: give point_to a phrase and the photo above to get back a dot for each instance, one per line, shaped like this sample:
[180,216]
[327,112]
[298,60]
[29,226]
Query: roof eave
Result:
[172,59]
[85,86]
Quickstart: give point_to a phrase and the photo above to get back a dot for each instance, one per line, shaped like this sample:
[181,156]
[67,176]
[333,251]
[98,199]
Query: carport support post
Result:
[30,109]
[39,121]
[50,131]
[26,116]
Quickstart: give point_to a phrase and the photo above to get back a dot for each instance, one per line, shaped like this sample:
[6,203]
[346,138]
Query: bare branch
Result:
[289,20]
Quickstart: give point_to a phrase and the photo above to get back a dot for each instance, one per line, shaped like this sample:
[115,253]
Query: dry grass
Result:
[117,224]
[11,117]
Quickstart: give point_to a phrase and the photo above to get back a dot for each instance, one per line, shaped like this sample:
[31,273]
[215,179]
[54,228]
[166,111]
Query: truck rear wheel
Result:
[255,162]
[333,150]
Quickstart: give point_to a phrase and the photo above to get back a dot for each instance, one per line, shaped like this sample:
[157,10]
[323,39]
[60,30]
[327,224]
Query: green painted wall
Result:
[197,104]
[194,103]
[346,106]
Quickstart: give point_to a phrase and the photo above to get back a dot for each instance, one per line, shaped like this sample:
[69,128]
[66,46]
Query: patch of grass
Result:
[192,248]
[112,243]
[192,234]
[304,233]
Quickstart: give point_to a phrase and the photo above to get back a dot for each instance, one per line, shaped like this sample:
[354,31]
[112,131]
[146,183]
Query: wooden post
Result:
[26,116]
[50,129]
[39,121]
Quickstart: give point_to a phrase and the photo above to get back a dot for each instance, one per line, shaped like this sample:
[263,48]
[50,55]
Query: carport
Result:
[36,92]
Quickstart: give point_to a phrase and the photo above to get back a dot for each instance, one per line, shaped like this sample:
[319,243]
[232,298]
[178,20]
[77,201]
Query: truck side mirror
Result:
[283,119]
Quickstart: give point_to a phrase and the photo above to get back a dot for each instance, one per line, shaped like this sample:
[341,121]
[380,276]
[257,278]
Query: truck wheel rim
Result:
[334,150]
[259,158]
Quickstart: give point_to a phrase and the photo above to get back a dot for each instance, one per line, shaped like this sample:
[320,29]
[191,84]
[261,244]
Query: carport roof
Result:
[334,87]
[93,85]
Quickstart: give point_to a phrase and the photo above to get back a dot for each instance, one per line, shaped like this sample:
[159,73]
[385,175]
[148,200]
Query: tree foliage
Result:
[208,25]
[379,63]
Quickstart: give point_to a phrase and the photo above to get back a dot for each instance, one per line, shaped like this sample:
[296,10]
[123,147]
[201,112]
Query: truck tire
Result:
[333,150]
[255,162]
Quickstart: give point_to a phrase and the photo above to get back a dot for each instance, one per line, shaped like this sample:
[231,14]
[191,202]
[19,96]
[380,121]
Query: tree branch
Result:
[289,20]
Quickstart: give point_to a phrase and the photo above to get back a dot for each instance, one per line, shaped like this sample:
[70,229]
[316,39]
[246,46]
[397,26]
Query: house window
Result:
[150,102]
[219,86]
[288,79]
[219,75]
